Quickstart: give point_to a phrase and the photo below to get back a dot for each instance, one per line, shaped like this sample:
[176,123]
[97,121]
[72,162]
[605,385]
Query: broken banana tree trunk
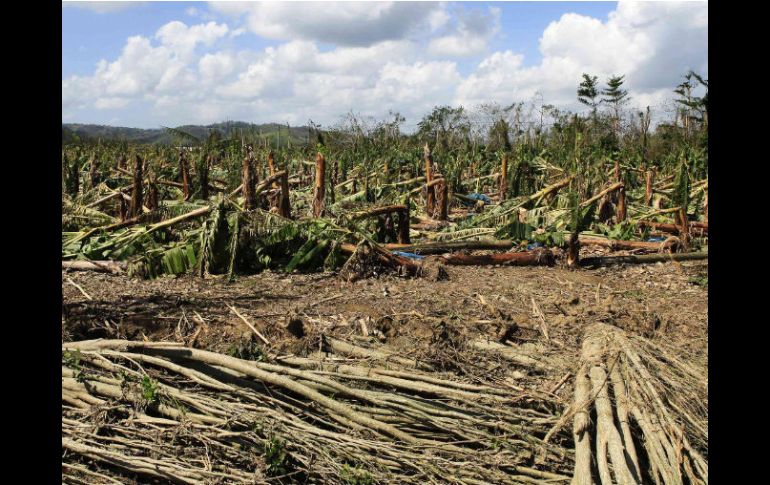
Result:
[430,196]
[528,258]
[616,244]
[642,259]
[284,206]
[152,190]
[203,176]
[503,182]
[403,218]
[608,190]
[649,175]
[620,215]
[184,170]
[696,228]
[136,192]
[319,190]
[442,193]
[249,181]
[645,431]
[98,266]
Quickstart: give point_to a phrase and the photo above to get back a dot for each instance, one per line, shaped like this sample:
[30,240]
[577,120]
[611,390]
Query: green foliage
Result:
[355,475]
[588,91]
[247,350]
[72,360]
[274,450]
[614,93]
[699,281]
[515,230]
[624,231]
[149,389]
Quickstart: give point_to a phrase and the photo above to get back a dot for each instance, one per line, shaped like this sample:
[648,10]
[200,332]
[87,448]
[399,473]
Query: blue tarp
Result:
[656,239]
[407,255]
[477,196]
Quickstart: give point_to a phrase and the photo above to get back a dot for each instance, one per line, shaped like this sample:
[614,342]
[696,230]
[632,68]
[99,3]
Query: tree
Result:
[693,108]
[615,96]
[444,125]
[588,91]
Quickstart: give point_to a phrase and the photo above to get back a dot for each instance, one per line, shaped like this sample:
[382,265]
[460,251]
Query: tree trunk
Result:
[249,182]
[648,188]
[284,206]
[430,196]
[319,191]
[136,192]
[621,209]
[504,178]
[184,170]
[593,262]
[528,258]
[152,190]
[403,225]
[203,177]
[442,190]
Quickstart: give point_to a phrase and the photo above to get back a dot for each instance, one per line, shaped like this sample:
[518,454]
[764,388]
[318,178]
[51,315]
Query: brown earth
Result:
[667,299]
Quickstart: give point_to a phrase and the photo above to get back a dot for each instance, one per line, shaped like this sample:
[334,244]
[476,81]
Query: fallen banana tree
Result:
[597,261]
[538,257]
[640,413]
[183,415]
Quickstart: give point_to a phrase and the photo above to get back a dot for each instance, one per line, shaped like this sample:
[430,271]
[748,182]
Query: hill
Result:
[274,133]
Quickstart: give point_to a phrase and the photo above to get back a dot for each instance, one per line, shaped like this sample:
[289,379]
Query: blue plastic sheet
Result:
[477,196]
[407,255]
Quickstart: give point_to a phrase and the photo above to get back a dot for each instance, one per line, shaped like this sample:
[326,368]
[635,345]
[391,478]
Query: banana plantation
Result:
[482,299]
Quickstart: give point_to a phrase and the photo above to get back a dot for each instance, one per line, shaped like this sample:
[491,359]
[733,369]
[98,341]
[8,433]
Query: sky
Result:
[151,64]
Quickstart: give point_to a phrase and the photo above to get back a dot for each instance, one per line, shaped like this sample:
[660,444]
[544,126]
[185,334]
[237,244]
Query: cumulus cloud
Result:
[192,74]
[110,103]
[473,31]
[340,23]
[653,44]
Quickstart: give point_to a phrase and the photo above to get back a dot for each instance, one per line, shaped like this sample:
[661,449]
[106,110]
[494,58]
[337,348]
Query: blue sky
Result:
[170,63]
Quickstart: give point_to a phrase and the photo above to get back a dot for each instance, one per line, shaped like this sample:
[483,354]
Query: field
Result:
[450,306]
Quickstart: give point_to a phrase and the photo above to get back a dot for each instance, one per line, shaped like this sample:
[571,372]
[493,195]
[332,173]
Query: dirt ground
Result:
[667,299]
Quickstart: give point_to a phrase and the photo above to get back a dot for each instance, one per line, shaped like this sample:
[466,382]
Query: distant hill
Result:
[273,132]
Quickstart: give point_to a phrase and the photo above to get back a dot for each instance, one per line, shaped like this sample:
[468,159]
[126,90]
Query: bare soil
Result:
[668,299]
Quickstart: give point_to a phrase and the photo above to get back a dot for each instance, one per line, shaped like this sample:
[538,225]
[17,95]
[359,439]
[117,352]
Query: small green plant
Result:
[275,456]
[355,475]
[247,350]
[636,294]
[72,360]
[149,389]
[704,281]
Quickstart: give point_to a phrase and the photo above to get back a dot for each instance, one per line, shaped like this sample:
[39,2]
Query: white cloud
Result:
[653,44]
[193,74]
[111,103]
[341,23]
[474,30]
[183,39]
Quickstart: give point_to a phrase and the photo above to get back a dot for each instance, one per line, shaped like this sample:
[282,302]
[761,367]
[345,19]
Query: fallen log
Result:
[616,244]
[700,228]
[114,267]
[443,247]
[641,259]
[528,258]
